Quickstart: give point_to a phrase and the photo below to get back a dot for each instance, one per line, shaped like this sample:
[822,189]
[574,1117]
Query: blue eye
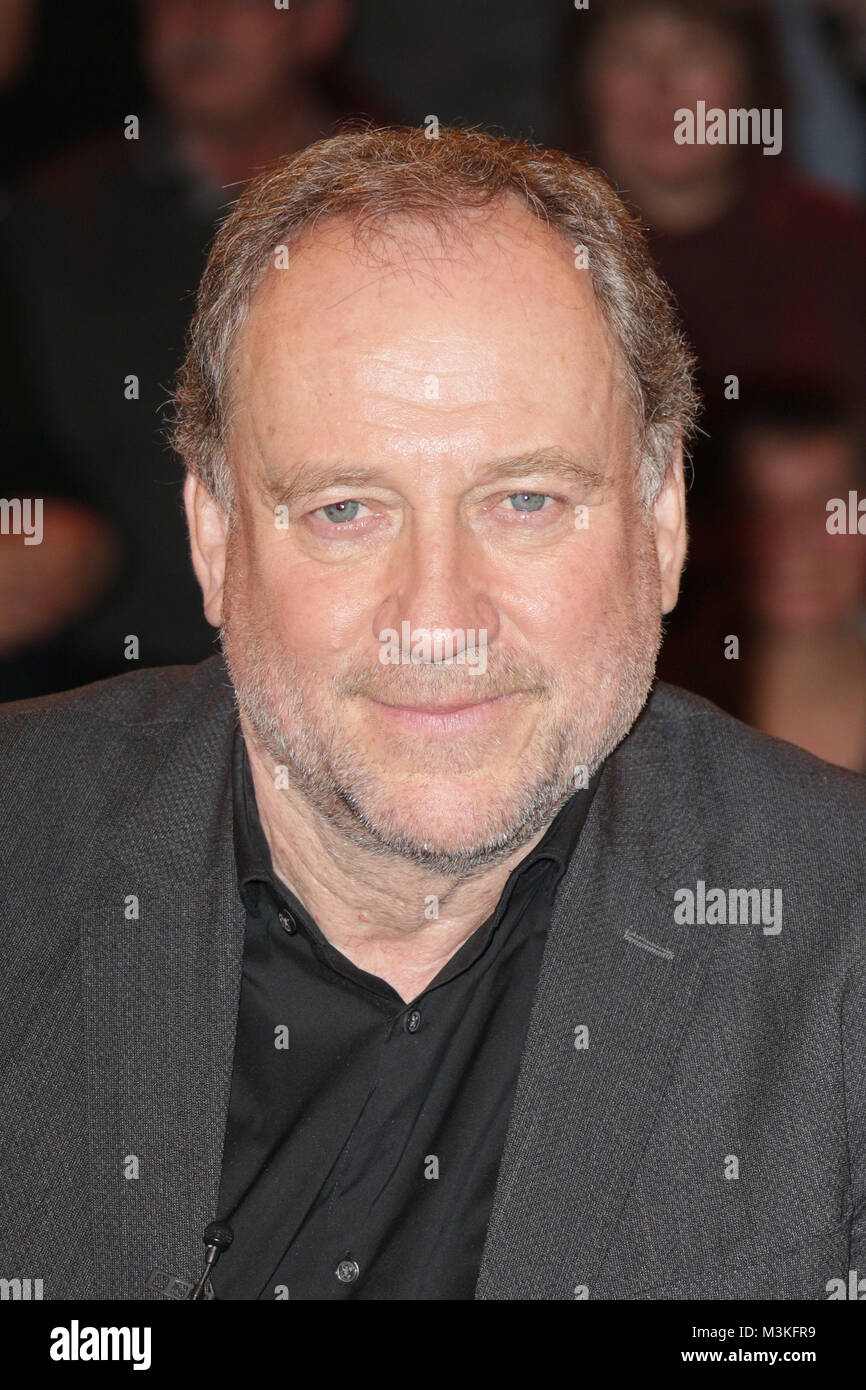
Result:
[342,511]
[533,501]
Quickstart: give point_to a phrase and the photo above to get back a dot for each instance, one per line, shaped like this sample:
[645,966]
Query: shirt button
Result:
[288,922]
[413,1020]
[347,1271]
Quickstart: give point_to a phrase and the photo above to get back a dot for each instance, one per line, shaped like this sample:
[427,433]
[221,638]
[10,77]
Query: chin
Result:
[448,821]
[445,811]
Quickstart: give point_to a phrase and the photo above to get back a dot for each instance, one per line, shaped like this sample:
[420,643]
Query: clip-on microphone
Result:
[217,1238]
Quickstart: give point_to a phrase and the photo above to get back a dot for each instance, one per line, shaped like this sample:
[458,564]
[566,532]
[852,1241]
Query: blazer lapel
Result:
[161,994]
[617,966]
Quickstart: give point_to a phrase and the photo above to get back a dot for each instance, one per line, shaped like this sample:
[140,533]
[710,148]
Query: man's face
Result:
[376,406]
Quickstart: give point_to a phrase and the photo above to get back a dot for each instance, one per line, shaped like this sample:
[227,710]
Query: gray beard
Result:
[336,783]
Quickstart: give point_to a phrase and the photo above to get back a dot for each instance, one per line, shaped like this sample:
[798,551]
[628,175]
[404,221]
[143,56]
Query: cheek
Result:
[619,98]
[312,611]
[585,598]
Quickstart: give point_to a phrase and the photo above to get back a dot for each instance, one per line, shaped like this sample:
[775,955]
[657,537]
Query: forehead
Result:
[671,22]
[489,328]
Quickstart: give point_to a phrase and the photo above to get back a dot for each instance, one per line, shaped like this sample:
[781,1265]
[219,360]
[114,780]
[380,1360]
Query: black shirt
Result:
[364,1134]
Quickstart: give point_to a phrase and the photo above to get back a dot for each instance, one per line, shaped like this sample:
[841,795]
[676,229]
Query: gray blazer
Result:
[690,1115]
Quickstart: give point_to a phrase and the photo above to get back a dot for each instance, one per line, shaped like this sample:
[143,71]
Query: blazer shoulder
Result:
[756,784]
[76,767]
[84,740]
[696,723]
[151,697]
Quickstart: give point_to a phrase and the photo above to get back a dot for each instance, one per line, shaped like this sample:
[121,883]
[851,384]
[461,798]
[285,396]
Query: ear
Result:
[669,510]
[208,529]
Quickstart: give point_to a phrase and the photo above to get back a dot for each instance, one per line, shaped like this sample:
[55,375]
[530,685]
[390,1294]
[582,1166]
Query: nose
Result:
[441,588]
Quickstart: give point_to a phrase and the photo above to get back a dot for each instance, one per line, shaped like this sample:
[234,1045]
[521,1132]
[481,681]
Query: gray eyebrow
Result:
[315,478]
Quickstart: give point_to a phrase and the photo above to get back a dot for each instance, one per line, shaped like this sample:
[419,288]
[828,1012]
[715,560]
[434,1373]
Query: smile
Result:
[455,717]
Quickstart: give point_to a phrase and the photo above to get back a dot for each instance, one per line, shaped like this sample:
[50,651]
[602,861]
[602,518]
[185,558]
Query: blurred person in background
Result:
[769,274]
[794,579]
[99,255]
[240,83]
[44,587]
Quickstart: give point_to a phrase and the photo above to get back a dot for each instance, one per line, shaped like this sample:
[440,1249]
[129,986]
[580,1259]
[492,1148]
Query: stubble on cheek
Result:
[625,639]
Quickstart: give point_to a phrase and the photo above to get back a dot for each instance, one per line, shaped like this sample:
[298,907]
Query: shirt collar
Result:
[252,851]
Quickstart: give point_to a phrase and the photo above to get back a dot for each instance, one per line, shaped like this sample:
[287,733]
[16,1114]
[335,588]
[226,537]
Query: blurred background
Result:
[130,126]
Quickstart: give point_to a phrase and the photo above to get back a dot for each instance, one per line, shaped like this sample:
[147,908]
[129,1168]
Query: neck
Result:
[375,910]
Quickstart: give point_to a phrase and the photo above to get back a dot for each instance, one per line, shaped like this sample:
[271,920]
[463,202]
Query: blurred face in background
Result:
[642,67]
[231,61]
[797,575]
